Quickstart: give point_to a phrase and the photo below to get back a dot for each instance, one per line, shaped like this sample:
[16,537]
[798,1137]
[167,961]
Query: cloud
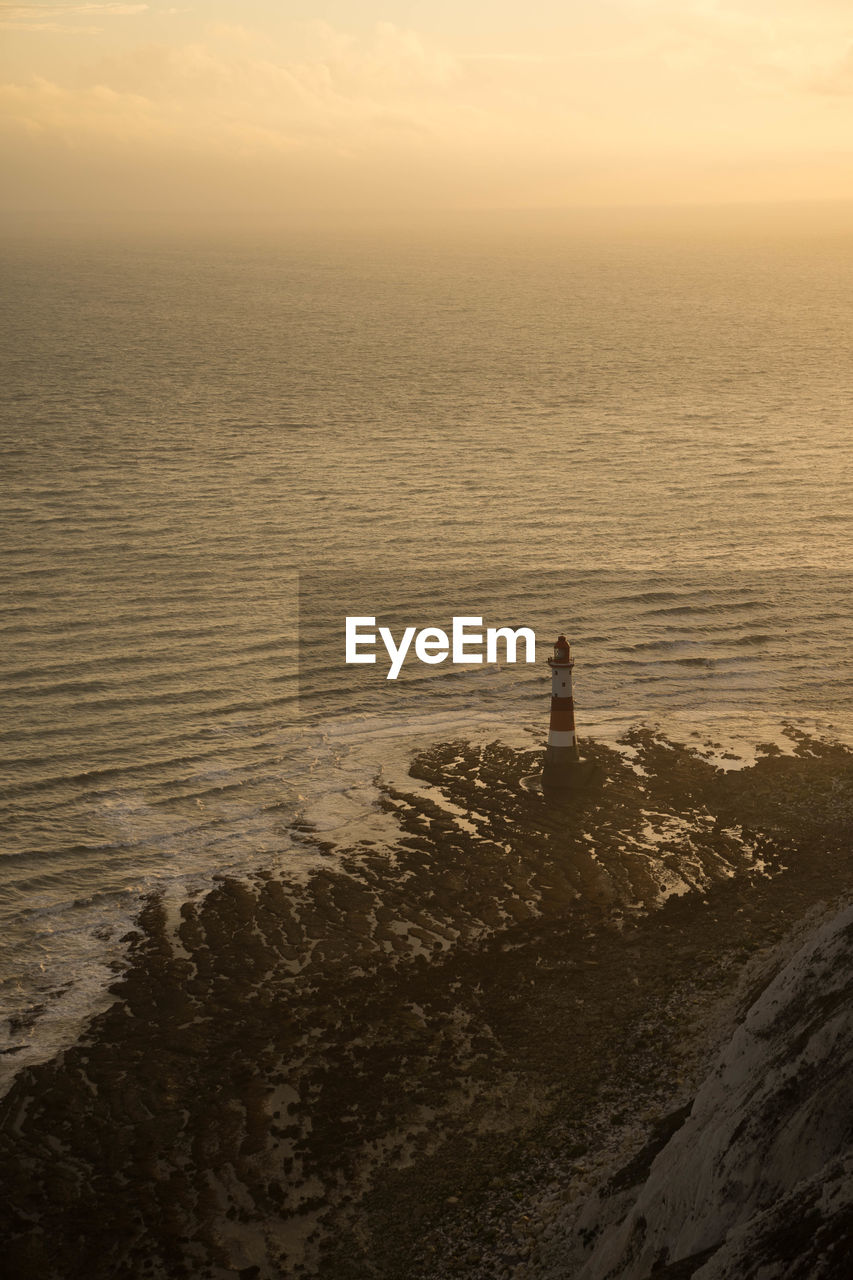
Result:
[703,96]
[231,85]
[52,27]
[69,10]
[227,93]
[837,80]
[338,93]
[48,111]
[392,59]
[39,17]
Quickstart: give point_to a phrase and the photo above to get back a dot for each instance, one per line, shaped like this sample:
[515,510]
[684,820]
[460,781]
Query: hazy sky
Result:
[274,105]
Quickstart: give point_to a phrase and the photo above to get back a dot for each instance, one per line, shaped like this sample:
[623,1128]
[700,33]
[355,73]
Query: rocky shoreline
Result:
[417,1063]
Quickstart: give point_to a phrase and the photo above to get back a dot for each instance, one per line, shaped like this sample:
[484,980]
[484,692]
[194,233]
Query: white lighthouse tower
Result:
[562,758]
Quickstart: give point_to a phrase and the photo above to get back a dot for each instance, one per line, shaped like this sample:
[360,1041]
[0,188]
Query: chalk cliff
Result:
[758,1181]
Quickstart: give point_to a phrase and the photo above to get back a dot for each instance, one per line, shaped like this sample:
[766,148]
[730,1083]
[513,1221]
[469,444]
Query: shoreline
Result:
[327,1079]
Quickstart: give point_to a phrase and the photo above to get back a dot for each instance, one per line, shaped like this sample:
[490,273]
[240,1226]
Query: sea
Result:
[215,447]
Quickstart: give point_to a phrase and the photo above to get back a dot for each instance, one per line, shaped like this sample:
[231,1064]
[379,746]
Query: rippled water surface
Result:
[645,442]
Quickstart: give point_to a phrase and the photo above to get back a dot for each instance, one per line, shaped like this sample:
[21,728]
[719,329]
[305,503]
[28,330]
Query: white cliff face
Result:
[758,1181]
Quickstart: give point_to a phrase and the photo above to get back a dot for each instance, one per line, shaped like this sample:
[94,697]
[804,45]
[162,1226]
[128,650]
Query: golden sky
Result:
[278,106]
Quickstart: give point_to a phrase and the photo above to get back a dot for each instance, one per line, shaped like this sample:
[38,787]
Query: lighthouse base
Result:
[565,771]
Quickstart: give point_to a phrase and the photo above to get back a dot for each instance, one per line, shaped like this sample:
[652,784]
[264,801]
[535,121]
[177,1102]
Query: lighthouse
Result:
[562,758]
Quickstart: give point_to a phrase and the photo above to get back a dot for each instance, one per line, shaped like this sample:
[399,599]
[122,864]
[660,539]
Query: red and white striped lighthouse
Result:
[562,749]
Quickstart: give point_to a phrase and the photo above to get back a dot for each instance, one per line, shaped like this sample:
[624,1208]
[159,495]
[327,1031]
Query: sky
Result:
[277,107]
